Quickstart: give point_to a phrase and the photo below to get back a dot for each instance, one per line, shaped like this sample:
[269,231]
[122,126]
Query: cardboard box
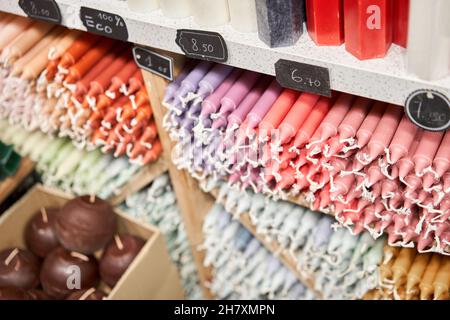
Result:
[151,275]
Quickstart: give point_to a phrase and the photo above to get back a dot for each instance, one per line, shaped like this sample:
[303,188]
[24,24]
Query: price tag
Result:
[46,10]
[303,77]
[104,23]
[203,45]
[428,109]
[154,62]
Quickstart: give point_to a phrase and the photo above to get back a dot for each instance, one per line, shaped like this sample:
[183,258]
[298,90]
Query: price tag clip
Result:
[303,77]
[204,45]
[154,62]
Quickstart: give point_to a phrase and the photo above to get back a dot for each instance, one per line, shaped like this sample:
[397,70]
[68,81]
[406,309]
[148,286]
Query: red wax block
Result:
[368,27]
[401,17]
[325,21]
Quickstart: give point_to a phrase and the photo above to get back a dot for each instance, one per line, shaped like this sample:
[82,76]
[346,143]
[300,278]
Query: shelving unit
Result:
[385,79]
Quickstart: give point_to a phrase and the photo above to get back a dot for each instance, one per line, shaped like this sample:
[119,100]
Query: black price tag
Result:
[428,109]
[46,10]
[154,62]
[303,77]
[203,45]
[104,23]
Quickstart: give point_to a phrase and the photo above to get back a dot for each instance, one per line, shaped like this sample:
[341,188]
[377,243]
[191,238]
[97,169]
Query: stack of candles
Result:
[76,85]
[368,27]
[343,266]
[406,274]
[65,167]
[361,159]
[156,204]
[243,268]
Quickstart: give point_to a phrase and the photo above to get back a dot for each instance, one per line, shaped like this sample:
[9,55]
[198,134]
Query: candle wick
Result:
[119,243]
[79,256]
[92,198]
[44,215]
[11,256]
[85,295]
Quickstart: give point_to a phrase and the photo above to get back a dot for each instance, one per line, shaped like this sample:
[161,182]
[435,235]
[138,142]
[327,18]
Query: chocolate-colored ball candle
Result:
[40,234]
[64,272]
[85,224]
[117,256]
[19,269]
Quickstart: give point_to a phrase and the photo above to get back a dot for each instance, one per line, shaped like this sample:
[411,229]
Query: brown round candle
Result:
[10,293]
[64,271]
[85,224]
[19,268]
[40,234]
[89,294]
[117,256]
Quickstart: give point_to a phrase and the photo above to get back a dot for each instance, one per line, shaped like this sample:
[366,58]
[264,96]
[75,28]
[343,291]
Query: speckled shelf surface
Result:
[382,79]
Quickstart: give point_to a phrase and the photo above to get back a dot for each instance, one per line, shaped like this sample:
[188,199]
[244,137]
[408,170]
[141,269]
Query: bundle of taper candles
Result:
[341,265]
[243,268]
[60,240]
[156,204]
[405,274]
[367,27]
[363,160]
[76,85]
[65,167]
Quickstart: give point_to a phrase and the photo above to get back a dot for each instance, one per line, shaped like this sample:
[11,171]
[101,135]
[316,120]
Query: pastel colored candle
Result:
[190,83]
[384,131]
[441,282]
[277,113]
[25,41]
[297,116]
[213,79]
[441,162]
[40,48]
[243,15]
[238,116]
[406,164]
[280,23]
[354,118]
[370,123]
[143,6]
[210,13]
[325,21]
[263,105]
[313,121]
[368,27]
[176,8]
[426,284]
[87,61]
[212,103]
[13,29]
[78,48]
[428,43]
[426,150]
[401,17]
[238,91]
[329,125]
[402,140]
